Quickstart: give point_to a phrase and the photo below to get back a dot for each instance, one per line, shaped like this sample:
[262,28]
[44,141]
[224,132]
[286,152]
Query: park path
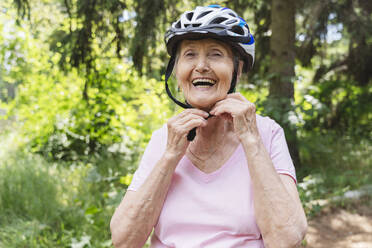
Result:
[341,228]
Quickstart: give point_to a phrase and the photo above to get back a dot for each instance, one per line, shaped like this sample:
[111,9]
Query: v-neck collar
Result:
[207,177]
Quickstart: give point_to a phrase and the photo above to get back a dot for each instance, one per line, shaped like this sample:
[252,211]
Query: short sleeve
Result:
[279,152]
[153,152]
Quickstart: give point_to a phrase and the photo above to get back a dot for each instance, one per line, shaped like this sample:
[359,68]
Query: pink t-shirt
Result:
[211,210]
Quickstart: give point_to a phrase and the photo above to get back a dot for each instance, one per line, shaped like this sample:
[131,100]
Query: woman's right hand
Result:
[178,128]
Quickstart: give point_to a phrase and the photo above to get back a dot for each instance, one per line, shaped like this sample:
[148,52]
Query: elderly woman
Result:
[234,184]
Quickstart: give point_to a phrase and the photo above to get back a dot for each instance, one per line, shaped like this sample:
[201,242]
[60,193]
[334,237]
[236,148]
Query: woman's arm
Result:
[139,210]
[278,210]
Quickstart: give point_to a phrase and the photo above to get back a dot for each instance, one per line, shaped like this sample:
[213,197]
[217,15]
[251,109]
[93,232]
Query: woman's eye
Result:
[216,54]
[190,54]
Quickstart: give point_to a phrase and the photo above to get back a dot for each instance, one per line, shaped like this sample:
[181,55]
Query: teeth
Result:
[203,80]
[203,86]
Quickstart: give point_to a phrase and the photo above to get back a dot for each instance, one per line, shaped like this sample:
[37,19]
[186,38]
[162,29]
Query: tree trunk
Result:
[282,52]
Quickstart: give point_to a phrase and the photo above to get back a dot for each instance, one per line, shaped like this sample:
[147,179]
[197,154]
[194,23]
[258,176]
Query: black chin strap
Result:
[235,76]
[168,73]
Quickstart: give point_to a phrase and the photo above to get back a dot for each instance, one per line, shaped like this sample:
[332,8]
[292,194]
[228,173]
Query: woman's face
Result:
[204,71]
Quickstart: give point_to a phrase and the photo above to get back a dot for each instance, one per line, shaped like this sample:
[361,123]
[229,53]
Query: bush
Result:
[27,190]
[46,204]
[31,234]
[119,115]
[339,160]
[333,165]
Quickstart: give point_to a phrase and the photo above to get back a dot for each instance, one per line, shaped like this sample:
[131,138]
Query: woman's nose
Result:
[202,65]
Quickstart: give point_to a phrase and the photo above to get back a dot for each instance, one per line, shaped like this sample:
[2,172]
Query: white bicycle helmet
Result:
[216,22]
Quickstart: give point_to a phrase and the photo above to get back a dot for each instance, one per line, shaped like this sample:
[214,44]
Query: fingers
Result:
[238,96]
[225,107]
[187,120]
[179,126]
[234,104]
[228,105]
[194,111]
[233,97]
[194,123]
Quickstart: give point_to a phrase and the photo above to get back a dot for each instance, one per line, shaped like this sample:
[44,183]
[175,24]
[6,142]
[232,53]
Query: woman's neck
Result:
[210,138]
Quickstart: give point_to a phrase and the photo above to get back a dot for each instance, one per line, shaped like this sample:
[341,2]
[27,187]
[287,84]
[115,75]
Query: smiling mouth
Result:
[203,82]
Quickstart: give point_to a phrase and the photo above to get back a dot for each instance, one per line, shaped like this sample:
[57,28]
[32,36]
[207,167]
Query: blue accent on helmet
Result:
[242,22]
[214,6]
[224,8]
[251,41]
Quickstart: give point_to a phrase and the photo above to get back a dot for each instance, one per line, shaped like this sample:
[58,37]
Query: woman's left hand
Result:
[236,108]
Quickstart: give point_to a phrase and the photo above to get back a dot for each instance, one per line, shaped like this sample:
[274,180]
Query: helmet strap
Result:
[168,73]
[235,76]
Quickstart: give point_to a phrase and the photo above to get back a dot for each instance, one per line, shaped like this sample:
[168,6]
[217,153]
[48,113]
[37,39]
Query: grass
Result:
[30,203]
[27,190]
[56,204]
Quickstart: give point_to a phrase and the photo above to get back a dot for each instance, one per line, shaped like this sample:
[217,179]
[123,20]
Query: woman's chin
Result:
[203,103]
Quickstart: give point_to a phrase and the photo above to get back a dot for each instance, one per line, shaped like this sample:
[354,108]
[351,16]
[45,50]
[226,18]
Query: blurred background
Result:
[82,90]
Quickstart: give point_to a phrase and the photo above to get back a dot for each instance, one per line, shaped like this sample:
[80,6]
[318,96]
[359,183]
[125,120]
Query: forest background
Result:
[82,90]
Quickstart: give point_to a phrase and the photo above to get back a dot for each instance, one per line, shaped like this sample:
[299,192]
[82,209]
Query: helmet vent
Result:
[203,14]
[218,20]
[232,14]
[237,30]
[196,25]
[178,24]
[230,22]
[189,15]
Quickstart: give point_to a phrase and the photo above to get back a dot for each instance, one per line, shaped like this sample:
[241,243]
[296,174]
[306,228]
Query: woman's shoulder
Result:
[161,132]
[159,137]
[266,124]
[157,144]
[268,129]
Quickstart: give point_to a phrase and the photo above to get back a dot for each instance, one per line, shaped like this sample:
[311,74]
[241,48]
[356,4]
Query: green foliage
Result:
[12,57]
[48,204]
[121,111]
[329,154]
[31,233]
[57,119]
[75,114]
[98,121]
[26,190]
[334,164]
[339,106]
[31,202]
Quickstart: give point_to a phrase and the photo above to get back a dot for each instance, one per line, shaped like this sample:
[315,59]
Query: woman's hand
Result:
[178,128]
[241,112]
